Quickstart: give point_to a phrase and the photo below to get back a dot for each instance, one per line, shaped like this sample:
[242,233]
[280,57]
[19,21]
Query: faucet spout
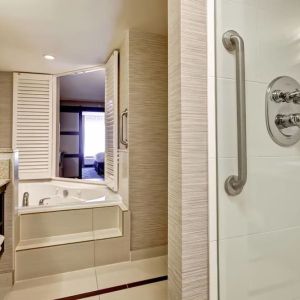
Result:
[25,201]
[41,202]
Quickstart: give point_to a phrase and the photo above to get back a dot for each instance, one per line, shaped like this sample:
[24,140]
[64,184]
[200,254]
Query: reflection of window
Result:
[94,133]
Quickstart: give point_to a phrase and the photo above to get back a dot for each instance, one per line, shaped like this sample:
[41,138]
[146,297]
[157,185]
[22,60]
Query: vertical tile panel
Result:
[188,157]
[174,150]
[148,139]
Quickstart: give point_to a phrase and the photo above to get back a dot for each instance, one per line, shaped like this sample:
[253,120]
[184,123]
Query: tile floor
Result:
[87,280]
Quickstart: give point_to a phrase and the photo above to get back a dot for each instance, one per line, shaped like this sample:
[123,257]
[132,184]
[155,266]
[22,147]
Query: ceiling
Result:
[79,33]
[83,87]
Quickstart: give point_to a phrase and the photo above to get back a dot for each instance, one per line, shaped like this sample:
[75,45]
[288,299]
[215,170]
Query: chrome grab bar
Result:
[122,140]
[234,184]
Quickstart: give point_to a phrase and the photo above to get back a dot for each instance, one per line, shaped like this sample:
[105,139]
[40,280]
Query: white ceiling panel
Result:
[79,33]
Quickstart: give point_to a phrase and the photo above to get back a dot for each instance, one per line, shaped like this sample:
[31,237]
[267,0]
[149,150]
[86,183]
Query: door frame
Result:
[79,110]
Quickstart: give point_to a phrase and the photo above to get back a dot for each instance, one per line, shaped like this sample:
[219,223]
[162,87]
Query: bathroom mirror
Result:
[81,139]
[86,124]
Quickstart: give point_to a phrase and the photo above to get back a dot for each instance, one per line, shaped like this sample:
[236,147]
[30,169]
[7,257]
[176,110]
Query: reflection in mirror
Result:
[81,148]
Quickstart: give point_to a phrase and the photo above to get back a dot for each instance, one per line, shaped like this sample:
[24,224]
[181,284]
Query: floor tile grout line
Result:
[115,288]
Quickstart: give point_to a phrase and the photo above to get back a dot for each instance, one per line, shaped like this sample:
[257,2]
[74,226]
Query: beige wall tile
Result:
[148,152]
[6,280]
[188,180]
[106,217]
[53,260]
[114,250]
[111,251]
[56,223]
[5,169]
[143,166]
[6,104]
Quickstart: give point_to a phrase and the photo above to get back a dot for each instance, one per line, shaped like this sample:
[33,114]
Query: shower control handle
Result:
[234,184]
[286,121]
[279,96]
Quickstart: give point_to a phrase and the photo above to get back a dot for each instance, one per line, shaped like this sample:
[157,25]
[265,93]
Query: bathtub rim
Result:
[49,208]
[83,181]
[70,206]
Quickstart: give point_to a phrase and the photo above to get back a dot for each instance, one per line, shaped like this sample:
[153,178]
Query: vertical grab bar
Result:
[122,140]
[234,184]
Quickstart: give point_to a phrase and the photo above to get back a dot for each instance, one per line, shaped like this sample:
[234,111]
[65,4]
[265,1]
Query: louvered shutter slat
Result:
[111,122]
[33,124]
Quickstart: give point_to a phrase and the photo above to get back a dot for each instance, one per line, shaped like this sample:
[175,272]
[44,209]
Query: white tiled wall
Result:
[259,230]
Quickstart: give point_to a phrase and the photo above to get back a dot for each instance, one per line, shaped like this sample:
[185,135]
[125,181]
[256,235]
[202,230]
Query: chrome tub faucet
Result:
[41,202]
[25,199]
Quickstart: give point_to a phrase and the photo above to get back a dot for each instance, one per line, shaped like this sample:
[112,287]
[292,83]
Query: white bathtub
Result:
[60,195]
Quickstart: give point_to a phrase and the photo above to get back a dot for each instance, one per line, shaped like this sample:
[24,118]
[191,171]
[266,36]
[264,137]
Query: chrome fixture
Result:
[25,201]
[123,140]
[282,111]
[65,193]
[234,184]
[286,121]
[280,96]
[41,202]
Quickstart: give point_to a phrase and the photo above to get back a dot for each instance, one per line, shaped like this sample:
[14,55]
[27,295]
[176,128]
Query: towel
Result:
[1,241]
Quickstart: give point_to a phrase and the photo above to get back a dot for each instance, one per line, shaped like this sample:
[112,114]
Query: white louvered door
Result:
[111,122]
[32,124]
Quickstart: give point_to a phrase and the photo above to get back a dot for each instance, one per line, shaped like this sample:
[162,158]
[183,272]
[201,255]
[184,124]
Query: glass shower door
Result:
[258,228]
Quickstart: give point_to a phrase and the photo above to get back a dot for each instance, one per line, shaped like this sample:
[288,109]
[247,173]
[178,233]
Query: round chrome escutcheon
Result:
[282,136]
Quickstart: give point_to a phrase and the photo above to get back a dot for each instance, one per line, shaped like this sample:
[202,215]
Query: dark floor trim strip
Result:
[147,281]
[115,288]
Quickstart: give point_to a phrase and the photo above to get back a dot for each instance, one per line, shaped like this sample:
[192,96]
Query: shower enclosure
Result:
[256,75]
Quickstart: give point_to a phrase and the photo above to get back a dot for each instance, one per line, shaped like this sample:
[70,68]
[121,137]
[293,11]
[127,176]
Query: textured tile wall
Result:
[4,169]
[6,104]
[188,157]
[148,88]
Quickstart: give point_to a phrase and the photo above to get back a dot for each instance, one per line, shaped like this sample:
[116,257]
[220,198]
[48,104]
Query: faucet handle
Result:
[279,96]
[295,96]
[286,121]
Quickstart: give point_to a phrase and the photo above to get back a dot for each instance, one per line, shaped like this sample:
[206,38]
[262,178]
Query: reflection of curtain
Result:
[94,133]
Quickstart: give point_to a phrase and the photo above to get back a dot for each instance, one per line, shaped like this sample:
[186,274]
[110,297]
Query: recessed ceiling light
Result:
[49,57]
